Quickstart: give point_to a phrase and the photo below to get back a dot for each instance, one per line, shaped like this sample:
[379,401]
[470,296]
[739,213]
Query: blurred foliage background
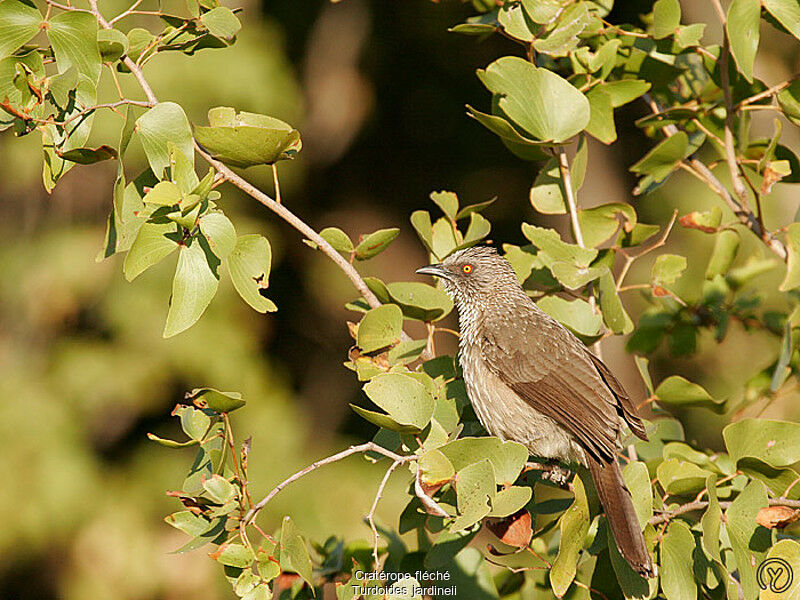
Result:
[378,90]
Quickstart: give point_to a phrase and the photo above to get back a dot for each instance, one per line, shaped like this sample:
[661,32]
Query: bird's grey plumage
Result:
[532,381]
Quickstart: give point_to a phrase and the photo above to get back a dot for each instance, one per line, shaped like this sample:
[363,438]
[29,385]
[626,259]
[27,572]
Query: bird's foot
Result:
[555,474]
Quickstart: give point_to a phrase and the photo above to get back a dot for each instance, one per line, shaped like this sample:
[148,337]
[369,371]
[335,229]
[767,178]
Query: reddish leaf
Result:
[514,530]
[693,220]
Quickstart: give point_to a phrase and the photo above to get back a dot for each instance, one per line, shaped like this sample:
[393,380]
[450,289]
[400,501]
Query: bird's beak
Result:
[435,270]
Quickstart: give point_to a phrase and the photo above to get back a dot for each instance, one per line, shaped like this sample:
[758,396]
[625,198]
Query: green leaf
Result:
[246,139]
[193,288]
[195,423]
[525,148]
[789,101]
[380,327]
[219,489]
[547,192]
[448,202]
[680,477]
[404,398]
[774,442]
[792,278]
[473,208]
[786,583]
[637,479]
[614,313]
[221,402]
[541,102]
[150,247]
[681,393]
[563,37]
[677,547]
[510,500]
[164,193]
[219,232]
[601,222]
[666,18]
[574,525]
[19,22]
[726,245]
[664,158]
[623,91]
[338,239]
[553,249]
[667,269]
[420,301]
[375,243]
[435,468]
[475,488]
[221,23]
[749,541]
[293,551]
[477,229]
[89,156]
[112,44]
[511,18]
[601,120]
[576,314]
[188,522]
[249,266]
[786,12]
[446,546]
[542,11]
[744,18]
[421,221]
[233,555]
[162,125]
[73,36]
[507,458]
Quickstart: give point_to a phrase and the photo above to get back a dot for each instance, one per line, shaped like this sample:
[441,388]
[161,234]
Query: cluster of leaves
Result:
[473,501]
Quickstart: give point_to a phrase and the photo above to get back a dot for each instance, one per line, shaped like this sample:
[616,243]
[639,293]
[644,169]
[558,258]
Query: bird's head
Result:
[473,274]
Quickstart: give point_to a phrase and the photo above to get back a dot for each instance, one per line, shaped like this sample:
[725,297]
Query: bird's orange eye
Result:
[467,269]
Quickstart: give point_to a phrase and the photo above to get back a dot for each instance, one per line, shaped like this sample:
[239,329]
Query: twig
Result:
[730,150]
[771,91]
[701,504]
[359,449]
[569,194]
[278,198]
[130,11]
[371,513]
[702,172]
[630,258]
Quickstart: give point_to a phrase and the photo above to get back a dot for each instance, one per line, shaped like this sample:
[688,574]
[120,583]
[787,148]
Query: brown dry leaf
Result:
[777,517]
[514,530]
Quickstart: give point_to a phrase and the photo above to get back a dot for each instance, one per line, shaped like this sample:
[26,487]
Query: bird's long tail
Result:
[616,500]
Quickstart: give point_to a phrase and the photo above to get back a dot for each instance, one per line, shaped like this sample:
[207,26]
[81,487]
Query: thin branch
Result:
[359,449]
[630,258]
[730,150]
[771,91]
[701,504]
[130,11]
[577,234]
[371,513]
[700,170]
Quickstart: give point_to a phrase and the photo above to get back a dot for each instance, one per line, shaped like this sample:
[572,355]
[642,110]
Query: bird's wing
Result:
[551,370]
[624,402]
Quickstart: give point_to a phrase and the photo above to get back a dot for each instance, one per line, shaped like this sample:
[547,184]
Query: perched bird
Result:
[532,381]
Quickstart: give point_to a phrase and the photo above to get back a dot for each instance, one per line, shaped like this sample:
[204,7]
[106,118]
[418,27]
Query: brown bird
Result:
[532,381]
